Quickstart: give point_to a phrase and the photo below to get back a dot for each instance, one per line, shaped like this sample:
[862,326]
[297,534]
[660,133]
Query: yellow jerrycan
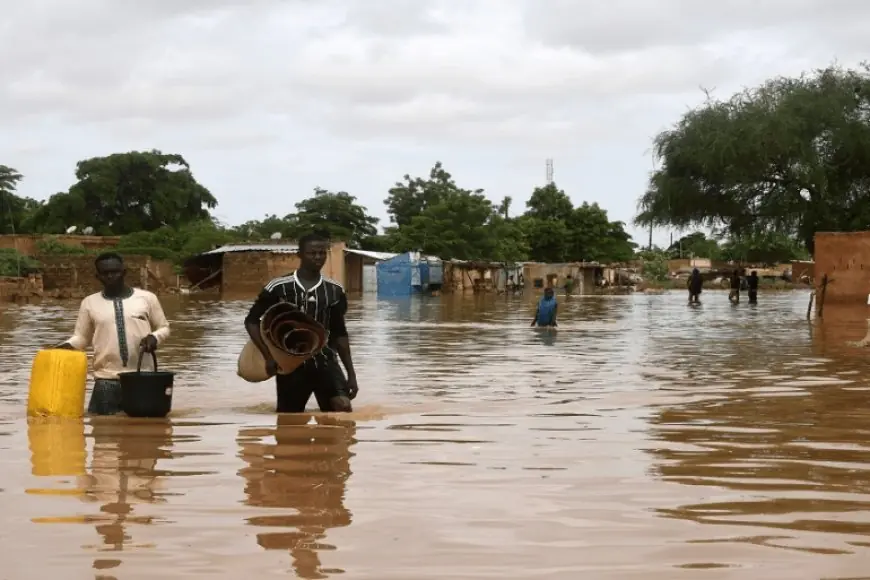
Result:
[57,384]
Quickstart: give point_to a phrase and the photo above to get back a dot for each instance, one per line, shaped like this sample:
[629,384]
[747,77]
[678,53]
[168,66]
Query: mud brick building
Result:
[74,276]
[845,258]
[28,244]
[241,271]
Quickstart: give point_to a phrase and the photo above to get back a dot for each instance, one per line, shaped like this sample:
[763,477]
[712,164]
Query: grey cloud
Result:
[626,25]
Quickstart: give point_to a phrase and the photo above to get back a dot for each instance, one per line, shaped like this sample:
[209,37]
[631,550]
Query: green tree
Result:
[337,214]
[548,239]
[764,248]
[180,243]
[458,226]
[789,157]
[15,211]
[558,232]
[412,196]
[128,192]
[549,203]
[594,238]
[695,245]
[263,229]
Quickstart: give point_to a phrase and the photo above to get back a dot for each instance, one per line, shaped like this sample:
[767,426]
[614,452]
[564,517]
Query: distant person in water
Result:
[752,283]
[569,285]
[545,315]
[734,295]
[121,323]
[695,285]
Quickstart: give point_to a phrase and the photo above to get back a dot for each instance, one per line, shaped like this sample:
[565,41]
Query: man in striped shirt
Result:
[325,301]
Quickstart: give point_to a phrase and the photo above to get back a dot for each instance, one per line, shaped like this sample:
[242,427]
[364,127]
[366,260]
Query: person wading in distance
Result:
[545,314]
[121,323]
[695,285]
[325,301]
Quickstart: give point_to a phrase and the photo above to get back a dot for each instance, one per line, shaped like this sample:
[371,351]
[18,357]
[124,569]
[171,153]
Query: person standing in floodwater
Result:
[121,323]
[752,282]
[325,301]
[569,285]
[545,314]
[695,284]
[734,295]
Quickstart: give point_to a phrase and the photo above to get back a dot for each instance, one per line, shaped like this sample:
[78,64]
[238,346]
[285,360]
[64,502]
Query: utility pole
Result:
[650,238]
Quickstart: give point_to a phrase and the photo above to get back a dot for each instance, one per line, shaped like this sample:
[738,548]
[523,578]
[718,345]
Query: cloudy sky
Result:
[269,98]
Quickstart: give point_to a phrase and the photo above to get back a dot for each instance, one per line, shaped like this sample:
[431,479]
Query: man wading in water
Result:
[695,285]
[545,315]
[736,282]
[325,301]
[121,323]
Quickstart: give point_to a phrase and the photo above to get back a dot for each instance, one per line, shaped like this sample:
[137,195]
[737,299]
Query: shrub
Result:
[14,263]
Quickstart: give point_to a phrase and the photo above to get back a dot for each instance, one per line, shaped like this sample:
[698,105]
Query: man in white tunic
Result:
[121,323]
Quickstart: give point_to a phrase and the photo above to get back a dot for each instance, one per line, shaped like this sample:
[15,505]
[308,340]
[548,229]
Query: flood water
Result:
[645,439]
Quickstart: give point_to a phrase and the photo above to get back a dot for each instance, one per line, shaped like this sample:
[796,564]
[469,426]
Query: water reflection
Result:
[647,439]
[123,474]
[304,473]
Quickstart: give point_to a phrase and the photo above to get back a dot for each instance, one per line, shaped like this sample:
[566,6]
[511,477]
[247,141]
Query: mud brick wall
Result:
[27,245]
[75,275]
[245,273]
[845,258]
[799,269]
[24,287]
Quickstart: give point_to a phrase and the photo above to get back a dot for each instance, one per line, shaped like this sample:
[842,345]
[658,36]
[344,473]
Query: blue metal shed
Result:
[408,274]
[397,276]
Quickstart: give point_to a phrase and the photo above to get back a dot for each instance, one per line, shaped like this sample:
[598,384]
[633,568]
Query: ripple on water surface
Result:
[644,439]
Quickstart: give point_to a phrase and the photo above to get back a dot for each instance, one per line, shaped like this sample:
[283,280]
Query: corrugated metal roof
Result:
[274,248]
[372,255]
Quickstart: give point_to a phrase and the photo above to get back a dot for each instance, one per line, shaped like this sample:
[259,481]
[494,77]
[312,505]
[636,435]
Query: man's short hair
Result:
[311,238]
[105,256]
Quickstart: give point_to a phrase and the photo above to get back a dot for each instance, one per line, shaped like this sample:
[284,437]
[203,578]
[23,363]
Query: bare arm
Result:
[252,321]
[339,338]
[83,333]
[535,319]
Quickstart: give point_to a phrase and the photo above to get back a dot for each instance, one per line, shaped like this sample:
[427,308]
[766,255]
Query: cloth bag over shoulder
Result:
[292,338]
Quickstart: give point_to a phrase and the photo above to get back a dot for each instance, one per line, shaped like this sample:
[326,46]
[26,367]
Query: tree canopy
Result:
[789,158]
[125,193]
[153,202]
[762,248]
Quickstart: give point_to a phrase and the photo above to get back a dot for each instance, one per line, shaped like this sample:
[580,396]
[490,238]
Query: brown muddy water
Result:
[645,439]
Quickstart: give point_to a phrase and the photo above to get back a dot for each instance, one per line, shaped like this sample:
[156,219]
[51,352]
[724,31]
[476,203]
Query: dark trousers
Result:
[105,398]
[321,376]
[753,296]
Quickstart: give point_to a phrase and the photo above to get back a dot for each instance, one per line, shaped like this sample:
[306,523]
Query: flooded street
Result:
[645,439]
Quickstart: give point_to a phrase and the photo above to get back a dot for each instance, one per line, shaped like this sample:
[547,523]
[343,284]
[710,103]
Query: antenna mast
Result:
[549,171]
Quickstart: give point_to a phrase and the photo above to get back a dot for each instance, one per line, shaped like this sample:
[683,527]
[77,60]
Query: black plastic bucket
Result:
[146,393]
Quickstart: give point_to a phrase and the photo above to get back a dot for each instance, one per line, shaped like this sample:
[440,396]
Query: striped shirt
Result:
[325,302]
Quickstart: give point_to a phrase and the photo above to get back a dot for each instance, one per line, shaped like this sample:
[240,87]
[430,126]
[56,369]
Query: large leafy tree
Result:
[791,157]
[337,214]
[128,192]
[454,227]
[412,196]
[559,232]
[695,245]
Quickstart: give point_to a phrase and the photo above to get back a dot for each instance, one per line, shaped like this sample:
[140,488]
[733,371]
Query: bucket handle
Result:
[139,364]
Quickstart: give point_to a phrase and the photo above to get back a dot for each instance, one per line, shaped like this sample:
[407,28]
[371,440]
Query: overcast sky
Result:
[269,98]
